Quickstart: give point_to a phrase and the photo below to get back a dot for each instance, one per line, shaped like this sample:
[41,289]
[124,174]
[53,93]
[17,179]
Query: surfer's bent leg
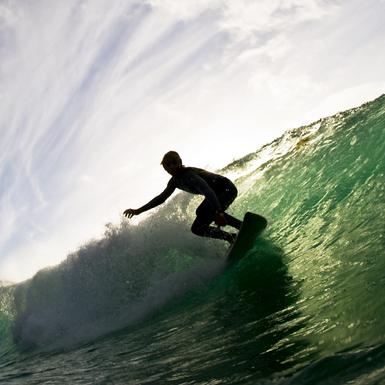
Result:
[203,229]
[233,222]
[206,215]
[201,226]
[227,196]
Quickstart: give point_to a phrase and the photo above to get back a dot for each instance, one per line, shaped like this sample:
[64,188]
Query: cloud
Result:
[347,98]
[184,10]
[98,92]
[246,17]
[9,16]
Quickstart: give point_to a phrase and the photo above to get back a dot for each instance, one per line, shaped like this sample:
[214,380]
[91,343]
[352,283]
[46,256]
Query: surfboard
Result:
[252,226]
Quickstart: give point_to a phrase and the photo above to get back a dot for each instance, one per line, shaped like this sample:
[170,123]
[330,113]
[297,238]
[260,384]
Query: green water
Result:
[155,305]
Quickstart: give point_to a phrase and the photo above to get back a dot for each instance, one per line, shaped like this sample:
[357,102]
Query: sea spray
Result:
[111,282]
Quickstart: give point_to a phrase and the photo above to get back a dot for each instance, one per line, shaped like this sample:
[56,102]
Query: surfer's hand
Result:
[220,219]
[129,213]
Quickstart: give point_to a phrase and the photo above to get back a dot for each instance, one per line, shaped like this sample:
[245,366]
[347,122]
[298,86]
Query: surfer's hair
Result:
[171,155]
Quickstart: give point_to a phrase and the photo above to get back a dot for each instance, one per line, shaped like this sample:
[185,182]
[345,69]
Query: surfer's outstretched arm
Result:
[158,200]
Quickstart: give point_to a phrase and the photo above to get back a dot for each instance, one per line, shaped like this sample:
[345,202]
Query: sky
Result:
[94,92]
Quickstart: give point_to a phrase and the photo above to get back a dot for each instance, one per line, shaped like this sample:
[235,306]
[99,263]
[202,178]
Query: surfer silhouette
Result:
[219,193]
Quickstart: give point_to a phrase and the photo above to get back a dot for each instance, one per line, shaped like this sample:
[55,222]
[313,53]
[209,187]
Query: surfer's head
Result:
[172,162]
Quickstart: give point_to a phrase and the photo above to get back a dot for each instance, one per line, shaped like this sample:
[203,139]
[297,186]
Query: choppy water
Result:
[153,304]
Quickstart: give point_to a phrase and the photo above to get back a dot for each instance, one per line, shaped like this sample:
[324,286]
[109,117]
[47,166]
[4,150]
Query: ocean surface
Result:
[154,304]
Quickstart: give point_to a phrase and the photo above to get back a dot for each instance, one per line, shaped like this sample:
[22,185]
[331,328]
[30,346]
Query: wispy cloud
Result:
[93,92]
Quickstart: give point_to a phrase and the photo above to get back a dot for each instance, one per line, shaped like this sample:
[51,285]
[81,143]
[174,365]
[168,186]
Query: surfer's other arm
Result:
[158,200]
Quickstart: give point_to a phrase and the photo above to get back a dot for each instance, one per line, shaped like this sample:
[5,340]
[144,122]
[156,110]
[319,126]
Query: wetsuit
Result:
[219,193]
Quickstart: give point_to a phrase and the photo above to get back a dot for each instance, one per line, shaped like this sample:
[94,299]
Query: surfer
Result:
[219,193]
